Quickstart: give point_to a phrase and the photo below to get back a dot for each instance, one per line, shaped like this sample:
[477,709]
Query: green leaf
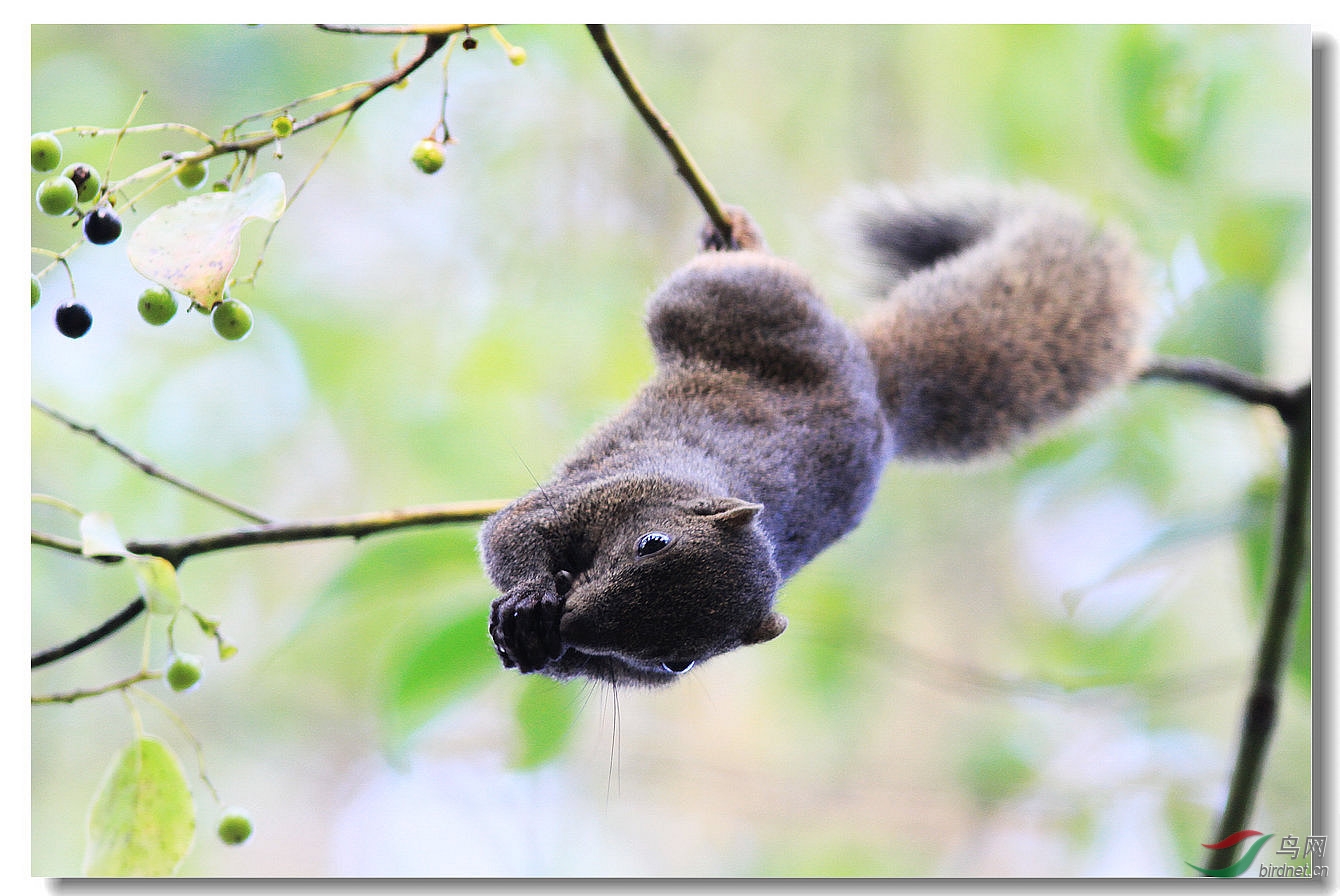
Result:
[995,768]
[157,579]
[191,246]
[1171,97]
[99,536]
[437,669]
[142,821]
[408,565]
[546,711]
[1255,239]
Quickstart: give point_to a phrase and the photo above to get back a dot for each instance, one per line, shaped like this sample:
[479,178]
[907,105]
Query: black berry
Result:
[73,320]
[102,225]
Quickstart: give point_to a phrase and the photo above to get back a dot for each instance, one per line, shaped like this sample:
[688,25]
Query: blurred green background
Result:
[1034,667]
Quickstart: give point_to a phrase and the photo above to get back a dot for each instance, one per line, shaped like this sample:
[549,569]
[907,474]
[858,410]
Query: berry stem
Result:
[433,42]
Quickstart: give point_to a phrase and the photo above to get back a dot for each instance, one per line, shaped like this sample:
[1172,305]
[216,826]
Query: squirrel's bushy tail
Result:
[1005,310]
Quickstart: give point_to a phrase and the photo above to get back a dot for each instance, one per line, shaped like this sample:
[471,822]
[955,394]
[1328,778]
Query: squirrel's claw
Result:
[524,628]
[744,233]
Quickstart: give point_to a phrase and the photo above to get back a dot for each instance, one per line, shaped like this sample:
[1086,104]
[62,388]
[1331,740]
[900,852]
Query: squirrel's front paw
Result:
[744,233]
[524,628]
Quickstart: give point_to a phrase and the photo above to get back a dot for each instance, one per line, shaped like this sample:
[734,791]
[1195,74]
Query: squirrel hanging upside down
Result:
[760,440]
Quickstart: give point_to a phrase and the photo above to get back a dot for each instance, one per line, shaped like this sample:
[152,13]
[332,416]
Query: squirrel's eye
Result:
[562,582]
[652,542]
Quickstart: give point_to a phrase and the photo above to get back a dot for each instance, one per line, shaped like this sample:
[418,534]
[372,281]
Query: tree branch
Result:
[176,551]
[1214,374]
[106,630]
[660,129]
[1258,719]
[401,30]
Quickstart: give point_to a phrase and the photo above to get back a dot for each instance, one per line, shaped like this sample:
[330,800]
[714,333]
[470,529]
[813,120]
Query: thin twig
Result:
[431,44]
[106,630]
[401,30]
[660,129]
[434,40]
[1259,715]
[121,685]
[149,467]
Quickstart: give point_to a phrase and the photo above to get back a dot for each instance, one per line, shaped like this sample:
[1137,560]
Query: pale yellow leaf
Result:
[191,246]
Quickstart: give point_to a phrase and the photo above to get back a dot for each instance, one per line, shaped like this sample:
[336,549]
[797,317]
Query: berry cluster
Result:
[77,183]
[80,183]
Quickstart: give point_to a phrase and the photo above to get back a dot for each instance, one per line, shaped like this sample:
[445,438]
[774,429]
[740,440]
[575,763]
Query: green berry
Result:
[157,305]
[231,319]
[86,180]
[282,126]
[102,225]
[517,55]
[73,320]
[184,672]
[428,155]
[37,290]
[234,827]
[192,174]
[46,152]
[56,195]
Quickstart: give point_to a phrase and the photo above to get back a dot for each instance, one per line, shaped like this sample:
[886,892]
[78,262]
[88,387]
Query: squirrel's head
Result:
[650,581]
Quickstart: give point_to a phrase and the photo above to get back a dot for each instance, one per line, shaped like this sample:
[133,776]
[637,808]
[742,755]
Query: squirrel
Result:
[663,540]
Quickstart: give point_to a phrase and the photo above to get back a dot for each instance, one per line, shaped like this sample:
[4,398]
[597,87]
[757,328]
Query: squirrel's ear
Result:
[728,511]
[772,625]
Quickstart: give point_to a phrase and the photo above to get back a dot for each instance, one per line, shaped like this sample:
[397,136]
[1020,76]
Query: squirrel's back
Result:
[1005,310]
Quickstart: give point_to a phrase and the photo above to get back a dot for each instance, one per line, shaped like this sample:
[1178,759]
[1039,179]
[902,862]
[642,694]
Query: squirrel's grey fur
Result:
[759,442]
